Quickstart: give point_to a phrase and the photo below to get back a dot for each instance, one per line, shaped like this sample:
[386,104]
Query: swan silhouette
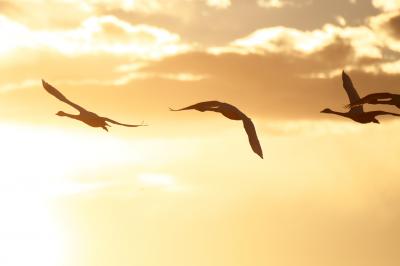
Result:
[85,116]
[378,98]
[232,113]
[356,113]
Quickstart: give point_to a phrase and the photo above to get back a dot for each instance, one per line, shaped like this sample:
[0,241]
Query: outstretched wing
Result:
[351,93]
[56,93]
[376,113]
[371,98]
[202,106]
[252,135]
[121,124]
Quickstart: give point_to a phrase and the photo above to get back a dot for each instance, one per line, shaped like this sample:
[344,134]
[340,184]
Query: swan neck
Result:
[339,113]
[71,116]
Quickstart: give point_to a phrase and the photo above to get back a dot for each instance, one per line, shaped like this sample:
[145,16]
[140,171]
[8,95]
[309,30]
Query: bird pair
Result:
[356,111]
[225,109]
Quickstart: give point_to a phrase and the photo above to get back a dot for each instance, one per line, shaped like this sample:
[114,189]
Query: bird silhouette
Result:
[232,113]
[378,98]
[85,116]
[356,113]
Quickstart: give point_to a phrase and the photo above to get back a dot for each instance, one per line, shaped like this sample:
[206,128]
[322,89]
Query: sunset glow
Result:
[189,188]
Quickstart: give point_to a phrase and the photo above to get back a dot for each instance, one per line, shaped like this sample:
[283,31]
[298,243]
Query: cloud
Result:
[271,85]
[393,26]
[89,6]
[40,14]
[219,3]
[387,5]
[194,20]
[386,28]
[391,67]
[271,3]
[153,6]
[290,40]
[281,3]
[106,34]
[145,6]
[387,23]
[276,86]
[276,65]
[341,21]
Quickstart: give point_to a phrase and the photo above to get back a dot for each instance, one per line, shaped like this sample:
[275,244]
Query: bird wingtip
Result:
[44,83]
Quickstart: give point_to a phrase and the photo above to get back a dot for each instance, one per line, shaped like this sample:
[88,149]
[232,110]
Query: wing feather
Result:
[376,113]
[351,93]
[122,124]
[202,106]
[371,98]
[56,93]
[252,135]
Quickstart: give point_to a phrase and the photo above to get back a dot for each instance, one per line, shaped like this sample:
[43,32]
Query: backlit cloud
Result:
[386,26]
[271,3]
[281,3]
[387,5]
[219,3]
[290,40]
[146,6]
[106,34]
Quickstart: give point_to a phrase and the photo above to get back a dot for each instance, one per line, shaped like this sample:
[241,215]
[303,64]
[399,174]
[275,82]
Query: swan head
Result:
[61,113]
[327,111]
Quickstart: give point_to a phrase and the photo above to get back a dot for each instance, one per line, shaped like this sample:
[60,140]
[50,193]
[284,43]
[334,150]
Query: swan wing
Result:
[202,106]
[252,135]
[377,113]
[56,93]
[122,124]
[351,93]
[371,98]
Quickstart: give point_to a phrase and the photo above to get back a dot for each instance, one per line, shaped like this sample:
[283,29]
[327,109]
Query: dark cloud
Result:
[393,26]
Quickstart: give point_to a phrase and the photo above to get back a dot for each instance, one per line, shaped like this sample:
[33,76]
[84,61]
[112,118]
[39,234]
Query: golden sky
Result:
[187,190]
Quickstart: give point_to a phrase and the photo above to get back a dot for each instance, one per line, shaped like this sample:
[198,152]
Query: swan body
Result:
[356,112]
[233,113]
[378,98]
[84,115]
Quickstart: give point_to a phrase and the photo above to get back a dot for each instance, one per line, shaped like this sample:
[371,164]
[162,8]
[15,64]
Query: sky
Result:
[187,189]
